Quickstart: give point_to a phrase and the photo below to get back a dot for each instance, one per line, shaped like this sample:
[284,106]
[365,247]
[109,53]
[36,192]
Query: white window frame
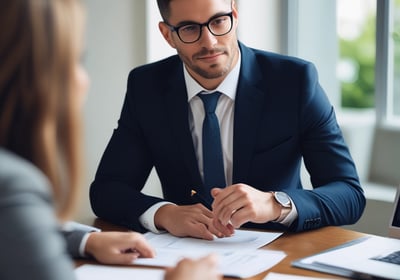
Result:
[384,66]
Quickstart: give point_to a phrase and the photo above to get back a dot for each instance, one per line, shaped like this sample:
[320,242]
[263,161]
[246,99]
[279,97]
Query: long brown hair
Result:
[39,118]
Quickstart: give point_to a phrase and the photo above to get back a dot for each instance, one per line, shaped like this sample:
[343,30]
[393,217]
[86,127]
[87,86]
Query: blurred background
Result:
[355,45]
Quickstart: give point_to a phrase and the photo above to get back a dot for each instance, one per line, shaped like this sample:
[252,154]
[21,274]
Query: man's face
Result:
[209,59]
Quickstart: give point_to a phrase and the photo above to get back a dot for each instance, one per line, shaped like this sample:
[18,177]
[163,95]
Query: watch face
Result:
[282,198]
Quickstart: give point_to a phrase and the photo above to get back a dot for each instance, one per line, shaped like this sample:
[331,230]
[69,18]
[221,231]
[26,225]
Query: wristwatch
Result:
[284,200]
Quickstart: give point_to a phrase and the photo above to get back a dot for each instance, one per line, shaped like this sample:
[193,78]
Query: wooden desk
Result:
[295,245]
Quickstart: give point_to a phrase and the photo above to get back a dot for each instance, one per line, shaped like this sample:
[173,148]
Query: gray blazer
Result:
[32,246]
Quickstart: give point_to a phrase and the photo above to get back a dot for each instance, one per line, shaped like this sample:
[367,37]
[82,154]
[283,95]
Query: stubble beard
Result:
[212,71]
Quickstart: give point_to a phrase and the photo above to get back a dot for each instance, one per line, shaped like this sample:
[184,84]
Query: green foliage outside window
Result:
[359,92]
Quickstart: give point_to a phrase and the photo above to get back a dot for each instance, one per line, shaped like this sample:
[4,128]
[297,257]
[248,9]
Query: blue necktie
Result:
[213,163]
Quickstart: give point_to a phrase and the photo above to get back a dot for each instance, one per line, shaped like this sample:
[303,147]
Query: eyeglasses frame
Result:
[201,25]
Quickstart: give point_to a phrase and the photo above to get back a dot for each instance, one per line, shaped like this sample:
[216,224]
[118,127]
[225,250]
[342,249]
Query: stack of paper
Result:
[239,255]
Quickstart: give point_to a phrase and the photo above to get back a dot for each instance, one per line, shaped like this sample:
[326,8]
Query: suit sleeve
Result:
[337,197]
[74,240]
[74,234]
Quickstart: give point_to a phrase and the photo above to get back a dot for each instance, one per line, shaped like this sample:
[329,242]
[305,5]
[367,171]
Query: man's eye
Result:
[189,28]
[219,21]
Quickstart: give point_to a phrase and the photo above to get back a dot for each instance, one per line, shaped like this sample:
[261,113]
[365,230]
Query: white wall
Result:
[263,30]
[115,43]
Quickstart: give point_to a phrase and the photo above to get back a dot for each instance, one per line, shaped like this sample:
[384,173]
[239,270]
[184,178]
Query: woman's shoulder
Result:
[18,175]
[26,211]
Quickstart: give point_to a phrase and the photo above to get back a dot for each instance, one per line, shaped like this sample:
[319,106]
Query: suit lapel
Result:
[249,103]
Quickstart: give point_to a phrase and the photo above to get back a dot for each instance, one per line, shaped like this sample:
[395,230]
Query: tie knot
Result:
[210,101]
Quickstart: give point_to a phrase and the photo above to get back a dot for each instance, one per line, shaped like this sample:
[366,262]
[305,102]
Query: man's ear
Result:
[235,12]
[166,33]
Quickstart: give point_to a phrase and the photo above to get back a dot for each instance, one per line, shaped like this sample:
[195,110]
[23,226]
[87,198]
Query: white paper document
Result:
[103,272]
[243,264]
[238,255]
[242,239]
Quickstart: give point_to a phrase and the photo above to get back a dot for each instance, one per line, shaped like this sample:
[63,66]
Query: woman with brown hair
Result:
[42,90]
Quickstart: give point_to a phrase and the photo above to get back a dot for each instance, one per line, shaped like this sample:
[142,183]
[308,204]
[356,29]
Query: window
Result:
[356,21]
[388,62]
[394,103]
[368,68]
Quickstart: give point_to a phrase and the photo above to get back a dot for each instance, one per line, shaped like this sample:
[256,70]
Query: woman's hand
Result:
[118,247]
[201,269]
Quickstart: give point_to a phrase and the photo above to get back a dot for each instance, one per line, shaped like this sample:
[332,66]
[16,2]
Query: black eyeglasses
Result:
[218,25]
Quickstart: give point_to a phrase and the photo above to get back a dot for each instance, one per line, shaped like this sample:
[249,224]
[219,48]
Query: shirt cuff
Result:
[147,218]
[82,246]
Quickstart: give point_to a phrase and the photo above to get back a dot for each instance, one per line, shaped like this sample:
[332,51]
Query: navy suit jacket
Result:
[281,116]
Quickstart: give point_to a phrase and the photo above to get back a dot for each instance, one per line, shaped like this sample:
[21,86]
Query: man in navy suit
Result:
[272,113]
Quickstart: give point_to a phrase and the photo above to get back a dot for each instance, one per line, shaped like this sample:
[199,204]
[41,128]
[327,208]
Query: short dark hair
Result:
[163,7]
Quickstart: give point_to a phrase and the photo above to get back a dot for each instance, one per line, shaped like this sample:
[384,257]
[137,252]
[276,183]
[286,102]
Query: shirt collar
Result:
[227,87]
